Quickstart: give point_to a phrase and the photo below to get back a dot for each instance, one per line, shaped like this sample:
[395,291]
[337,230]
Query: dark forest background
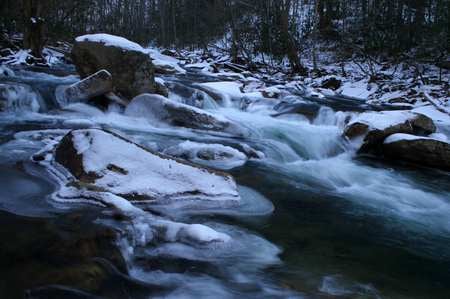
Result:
[281,28]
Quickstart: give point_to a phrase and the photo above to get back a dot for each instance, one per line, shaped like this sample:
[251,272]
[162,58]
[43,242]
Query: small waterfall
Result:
[15,97]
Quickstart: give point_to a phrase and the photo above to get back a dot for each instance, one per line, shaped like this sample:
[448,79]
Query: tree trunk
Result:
[34,31]
[291,48]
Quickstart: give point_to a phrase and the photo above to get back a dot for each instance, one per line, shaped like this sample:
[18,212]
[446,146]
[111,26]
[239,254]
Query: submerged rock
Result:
[160,108]
[60,251]
[95,85]
[418,150]
[130,66]
[102,161]
[374,127]
[214,155]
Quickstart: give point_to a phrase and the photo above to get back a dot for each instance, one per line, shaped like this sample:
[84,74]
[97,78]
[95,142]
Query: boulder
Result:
[213,155]
[102,161]
[156,107]
[131,67]
[418,150]
[95,85]
[374,127]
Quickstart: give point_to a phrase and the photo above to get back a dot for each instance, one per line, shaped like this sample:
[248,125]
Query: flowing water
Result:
[316,221]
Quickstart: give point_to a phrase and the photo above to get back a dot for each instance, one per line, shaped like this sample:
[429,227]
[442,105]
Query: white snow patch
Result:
[401,136]
[384,119]
[111,40]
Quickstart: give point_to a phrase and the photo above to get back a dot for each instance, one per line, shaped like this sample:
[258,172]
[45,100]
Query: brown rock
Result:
[424,151]
[132,70]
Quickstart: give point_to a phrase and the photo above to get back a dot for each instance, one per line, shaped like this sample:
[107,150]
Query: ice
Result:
[400,136]
[360,89]
[214,155]
[111,40]
[19,98]
[164,62]
[384,119]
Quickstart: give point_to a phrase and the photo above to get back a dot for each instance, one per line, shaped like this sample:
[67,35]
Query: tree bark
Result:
[34,30]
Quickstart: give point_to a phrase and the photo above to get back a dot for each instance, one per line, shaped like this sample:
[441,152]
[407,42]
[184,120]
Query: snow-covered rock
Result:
[156,107]
[165,64]
[213,155]
[103,162]
[374,127]
[92,86]
[420,150]
[130,66]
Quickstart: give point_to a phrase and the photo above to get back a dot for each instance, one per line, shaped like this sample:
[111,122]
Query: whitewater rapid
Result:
[308,156]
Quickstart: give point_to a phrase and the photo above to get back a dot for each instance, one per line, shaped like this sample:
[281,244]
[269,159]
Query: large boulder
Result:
[95,85]
[102,161]
[130,65]
[419,150]
[374,127]
[156,107]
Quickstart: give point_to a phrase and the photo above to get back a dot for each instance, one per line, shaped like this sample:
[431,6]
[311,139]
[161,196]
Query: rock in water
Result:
[212,155]
[92,86]
[105,162]
[158,107]
[374,127]
[130,66]
[419,150]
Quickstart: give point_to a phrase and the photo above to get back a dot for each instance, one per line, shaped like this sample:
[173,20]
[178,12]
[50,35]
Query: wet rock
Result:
[130,66]
[374,127]
[95,85]
[310,110]
[57,292]
[55,252]
[101,161]
[332,83]
[160,108]
[418,150]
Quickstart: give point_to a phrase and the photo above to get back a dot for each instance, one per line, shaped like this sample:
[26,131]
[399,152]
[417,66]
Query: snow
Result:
[400,136]
[360,89]
[164,62]
[146,174]
[437,116]
[112,41]
[231,89]
[20,57]
[384,119]
[214,155]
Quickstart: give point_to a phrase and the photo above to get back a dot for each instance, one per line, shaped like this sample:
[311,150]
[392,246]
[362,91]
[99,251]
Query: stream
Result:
[316,221]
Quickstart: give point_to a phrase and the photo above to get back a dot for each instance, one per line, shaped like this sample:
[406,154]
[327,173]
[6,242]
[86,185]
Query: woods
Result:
[247,28]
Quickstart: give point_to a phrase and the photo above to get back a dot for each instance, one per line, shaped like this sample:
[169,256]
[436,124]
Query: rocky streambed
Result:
[214,188]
